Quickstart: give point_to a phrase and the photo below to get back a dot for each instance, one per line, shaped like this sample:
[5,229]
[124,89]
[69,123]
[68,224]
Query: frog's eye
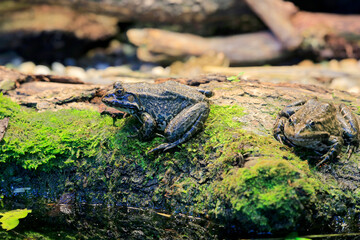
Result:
[131,98]
[310,123]
[291,121]
[118,85]
[119,92]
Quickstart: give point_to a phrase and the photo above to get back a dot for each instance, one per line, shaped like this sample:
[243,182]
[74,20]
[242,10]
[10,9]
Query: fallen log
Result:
[329,35]
[161,11]
[277,14]
[319,76]
[251,48]
[196,81]
[57,79]
[32,19]
[11,79]
[19,20]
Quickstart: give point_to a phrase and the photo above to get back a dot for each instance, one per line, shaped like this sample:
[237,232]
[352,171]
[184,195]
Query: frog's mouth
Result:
[120,103]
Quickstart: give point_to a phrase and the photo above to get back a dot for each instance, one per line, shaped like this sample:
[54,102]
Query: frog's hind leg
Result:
[350,126]
[181,128]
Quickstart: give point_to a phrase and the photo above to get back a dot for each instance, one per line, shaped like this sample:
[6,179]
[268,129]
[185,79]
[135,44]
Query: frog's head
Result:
[122,100]
[314,121]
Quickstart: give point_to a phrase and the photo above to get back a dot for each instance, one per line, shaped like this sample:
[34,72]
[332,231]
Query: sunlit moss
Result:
[53,138]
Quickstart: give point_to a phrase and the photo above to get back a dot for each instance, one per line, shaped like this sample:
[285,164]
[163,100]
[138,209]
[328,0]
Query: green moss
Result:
[7,107]
[271,193]
[51,138]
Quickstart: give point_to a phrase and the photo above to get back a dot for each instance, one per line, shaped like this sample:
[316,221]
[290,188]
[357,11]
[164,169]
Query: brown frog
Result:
[176,110]
[318,125]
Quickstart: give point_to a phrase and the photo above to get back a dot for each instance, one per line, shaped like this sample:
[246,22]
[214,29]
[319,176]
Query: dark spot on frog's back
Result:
[176,109]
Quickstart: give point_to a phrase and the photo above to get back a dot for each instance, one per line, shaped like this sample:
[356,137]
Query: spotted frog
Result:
[176,110]
[318,125]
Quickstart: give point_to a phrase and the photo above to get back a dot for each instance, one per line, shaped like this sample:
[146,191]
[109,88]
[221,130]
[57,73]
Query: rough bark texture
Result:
[10,79]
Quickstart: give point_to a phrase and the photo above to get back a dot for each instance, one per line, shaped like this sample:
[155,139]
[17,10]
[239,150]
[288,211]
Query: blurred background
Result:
[144,40]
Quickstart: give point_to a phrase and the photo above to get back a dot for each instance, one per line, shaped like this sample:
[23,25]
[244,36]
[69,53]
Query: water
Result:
[97,222]
[63,221]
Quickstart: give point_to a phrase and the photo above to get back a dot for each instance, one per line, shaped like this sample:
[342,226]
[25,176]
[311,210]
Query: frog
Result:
[321,126]
[169,109]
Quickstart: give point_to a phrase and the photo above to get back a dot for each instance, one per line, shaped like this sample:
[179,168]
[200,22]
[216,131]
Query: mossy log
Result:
[232,172]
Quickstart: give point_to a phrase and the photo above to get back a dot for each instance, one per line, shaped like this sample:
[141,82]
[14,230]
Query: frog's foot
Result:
[164,147]
[136,134]
[332,153]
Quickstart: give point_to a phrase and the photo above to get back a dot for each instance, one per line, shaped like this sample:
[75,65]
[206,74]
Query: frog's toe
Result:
[283,140]
[164,147]
[350,150]
[323,160]
[160,147]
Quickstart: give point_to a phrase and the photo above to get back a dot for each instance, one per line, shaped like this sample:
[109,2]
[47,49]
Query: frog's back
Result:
[184,90]
[164,101]
[167,89]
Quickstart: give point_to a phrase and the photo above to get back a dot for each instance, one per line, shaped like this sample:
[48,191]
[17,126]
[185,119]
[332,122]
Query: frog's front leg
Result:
[148,127]
[350,126]
[278,131]
[337,143]
[184,125]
